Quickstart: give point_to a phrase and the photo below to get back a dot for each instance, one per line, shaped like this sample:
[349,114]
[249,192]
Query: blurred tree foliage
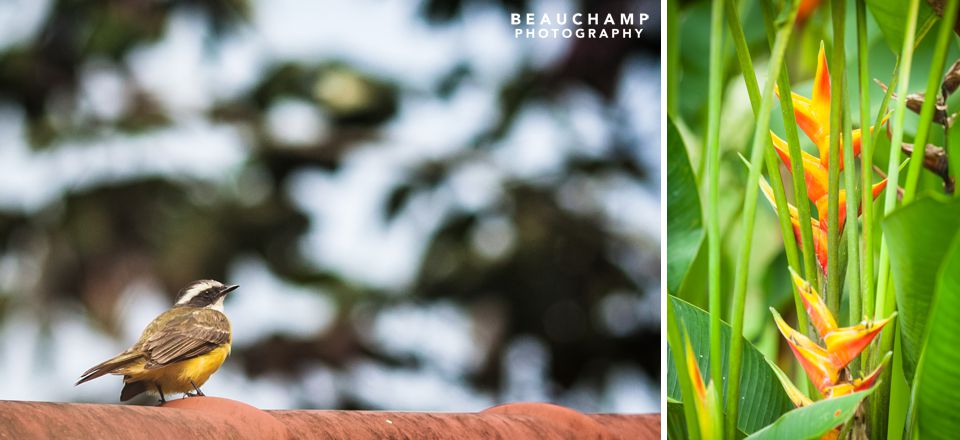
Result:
[561,266]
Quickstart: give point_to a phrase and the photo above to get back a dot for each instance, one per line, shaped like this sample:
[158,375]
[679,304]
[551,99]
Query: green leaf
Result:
[762,399]
[812,421]
[677,426]
[684,221]
[890,15]
[916,236]
[938,395]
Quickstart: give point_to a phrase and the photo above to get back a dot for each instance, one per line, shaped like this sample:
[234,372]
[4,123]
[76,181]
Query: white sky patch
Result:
[21,20]
[429,128]
[171,68]
[236,63]
[493,237]
[589,120]
[139,304]
[44,367]
[296,122]
[20,381]
[630,207]
[103,90]
[319,386]
[413,390]
[544,52]
[623,312]
[348,233]
[264,305]
[476,185]
[438,333]
[488,44]
[31,179]
[264,392]
[350,202]
[629,390]
[416,55]
[638,100]
[525,366]
[534,147]
[186,70]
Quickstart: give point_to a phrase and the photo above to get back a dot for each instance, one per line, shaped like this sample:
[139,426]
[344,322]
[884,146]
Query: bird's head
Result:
[204,293]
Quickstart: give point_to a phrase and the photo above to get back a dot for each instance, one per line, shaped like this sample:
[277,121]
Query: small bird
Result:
[179,350]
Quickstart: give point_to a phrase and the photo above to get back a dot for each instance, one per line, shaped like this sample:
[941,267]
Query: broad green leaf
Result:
[762,399]
[917,235]
[891,17]
[938,395]
[812,421]
[684,221]
[677,426]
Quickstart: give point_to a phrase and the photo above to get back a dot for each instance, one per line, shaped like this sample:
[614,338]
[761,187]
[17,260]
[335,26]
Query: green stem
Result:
[770,159]
[715,240]
[797,167]
[866,161]
[869,301]
[837,74]
[884,296]
[931,94]
[673,56]
[953,153]
[851,227]
[675,339]
[761,137]
[893,170]
[885,301]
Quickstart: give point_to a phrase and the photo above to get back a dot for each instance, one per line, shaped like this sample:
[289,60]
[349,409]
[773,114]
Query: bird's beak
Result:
[228,289]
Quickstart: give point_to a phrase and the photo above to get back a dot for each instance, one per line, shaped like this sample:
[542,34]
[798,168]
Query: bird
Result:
[179,350]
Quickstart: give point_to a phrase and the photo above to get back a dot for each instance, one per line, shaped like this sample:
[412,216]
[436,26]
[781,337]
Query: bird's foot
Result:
[197,389]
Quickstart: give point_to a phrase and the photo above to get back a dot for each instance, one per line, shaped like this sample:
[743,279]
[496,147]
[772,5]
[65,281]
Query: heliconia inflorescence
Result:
[825,364]
[813,117]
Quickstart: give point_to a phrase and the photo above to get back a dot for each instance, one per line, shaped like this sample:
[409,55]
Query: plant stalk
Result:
[673,57]
[715,240]
[810,269]
[761,137]
[931,94]
[866,161]
[837,73]
[770,159]
[885,303]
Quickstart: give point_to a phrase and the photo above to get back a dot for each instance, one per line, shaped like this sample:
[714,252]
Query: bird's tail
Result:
[108,366]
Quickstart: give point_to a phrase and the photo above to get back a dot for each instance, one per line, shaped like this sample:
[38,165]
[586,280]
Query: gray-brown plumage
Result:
[178,350]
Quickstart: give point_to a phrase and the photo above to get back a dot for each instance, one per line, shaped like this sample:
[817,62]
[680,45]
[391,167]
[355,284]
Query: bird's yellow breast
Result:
[176,378]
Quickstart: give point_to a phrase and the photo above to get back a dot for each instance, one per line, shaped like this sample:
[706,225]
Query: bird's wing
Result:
[185,337]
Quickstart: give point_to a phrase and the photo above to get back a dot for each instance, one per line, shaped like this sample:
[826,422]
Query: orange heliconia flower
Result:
[813,114]
[813,117]
[814,359]
[842,344]
[861,384]
[822,205]
[819,234]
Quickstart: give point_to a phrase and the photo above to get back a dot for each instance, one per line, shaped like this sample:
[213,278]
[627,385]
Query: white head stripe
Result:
[194,289]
